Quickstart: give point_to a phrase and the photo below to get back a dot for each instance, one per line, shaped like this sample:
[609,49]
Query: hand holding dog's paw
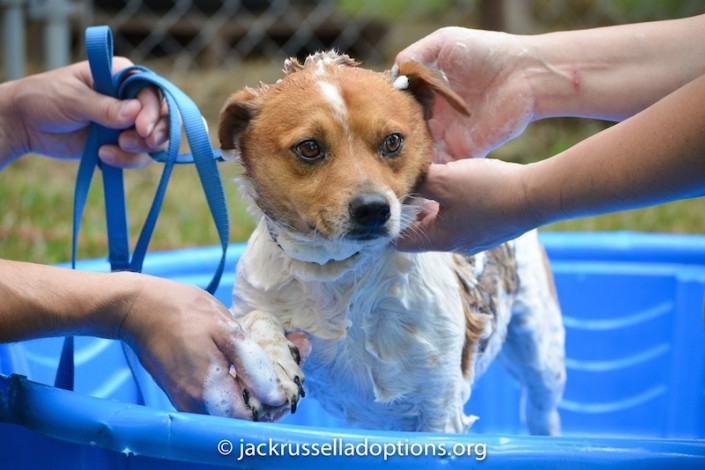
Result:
[286,356]
[197,352]
[255,387]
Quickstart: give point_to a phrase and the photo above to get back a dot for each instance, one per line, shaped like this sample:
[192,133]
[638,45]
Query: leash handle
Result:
[182,111]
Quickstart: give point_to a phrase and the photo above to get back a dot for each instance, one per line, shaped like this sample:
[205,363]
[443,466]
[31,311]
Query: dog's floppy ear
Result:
[235,116]
[423,82]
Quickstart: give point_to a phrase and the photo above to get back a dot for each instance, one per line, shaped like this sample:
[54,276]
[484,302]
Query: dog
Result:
[331,156]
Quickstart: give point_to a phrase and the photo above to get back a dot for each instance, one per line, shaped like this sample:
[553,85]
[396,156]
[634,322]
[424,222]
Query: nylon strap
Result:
[182,113]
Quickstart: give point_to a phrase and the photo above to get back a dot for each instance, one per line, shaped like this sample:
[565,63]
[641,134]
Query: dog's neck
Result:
[310,248]
[314,258]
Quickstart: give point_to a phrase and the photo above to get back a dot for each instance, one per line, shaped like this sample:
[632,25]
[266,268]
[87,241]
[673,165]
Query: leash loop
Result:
[127,84]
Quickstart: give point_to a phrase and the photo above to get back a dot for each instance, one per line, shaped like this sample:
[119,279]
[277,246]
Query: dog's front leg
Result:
[269,333]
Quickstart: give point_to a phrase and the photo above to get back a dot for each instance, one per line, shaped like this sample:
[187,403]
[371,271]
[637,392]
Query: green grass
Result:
[37,214]
[391,9]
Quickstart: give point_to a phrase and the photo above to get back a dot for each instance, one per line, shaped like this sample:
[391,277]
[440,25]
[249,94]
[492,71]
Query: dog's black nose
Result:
[369,210]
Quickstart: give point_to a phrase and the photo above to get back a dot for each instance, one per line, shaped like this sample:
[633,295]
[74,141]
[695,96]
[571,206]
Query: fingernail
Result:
[128,142]
[157,139]
[129,108]
[106,154]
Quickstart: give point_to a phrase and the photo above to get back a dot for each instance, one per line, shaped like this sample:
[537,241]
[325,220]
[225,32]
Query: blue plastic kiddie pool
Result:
[635,397]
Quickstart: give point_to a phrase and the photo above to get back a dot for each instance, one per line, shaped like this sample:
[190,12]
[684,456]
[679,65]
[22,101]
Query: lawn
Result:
[36,220]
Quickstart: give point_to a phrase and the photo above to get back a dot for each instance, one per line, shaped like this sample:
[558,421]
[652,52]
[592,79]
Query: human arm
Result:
[509,80]
[657,155]
[50,114]
[182,335]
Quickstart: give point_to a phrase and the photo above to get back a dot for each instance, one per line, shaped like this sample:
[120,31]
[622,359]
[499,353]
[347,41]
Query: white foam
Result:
[401,82]
[231,155]
[217,398]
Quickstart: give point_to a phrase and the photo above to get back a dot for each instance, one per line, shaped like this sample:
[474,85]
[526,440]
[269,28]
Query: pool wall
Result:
[635,338]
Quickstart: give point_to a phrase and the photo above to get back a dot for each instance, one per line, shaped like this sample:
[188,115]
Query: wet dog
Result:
[331,155]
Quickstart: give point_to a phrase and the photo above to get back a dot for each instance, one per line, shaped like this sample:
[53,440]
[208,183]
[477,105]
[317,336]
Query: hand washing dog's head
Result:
[333,152]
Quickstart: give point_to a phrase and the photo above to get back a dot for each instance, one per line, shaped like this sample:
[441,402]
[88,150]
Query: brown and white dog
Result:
[331,156]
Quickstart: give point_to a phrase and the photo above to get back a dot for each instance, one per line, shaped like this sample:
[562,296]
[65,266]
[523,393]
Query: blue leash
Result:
[124,85]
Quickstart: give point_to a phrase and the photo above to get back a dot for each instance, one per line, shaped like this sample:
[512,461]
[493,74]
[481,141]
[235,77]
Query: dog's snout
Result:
[370,210]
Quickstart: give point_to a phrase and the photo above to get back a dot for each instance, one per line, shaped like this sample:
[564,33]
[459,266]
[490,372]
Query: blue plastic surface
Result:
[633,309]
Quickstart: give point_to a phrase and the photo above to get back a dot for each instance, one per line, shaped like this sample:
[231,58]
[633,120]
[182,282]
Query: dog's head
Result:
[332,152]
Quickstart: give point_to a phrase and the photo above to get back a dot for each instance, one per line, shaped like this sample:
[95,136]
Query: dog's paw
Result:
[286,358]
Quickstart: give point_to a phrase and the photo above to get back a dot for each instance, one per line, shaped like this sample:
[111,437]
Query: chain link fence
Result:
[183,35]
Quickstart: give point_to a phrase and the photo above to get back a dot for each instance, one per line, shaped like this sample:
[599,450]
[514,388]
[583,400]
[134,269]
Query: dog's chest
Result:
[386,337]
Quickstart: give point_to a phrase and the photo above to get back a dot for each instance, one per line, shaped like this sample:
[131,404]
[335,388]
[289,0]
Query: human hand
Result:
[53,111]
[476,205]
[187,341]
[486,68]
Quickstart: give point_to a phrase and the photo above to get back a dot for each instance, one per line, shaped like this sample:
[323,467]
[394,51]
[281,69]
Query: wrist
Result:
[536,206]
[106,312]
[127,293]
[555,82]
[99,304]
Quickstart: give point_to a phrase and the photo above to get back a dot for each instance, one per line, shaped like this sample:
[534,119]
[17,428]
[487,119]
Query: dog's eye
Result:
[309,150]
[392,144]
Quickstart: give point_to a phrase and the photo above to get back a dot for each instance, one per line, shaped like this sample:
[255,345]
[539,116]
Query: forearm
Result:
[40,301]
[613,72]
[656,156]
